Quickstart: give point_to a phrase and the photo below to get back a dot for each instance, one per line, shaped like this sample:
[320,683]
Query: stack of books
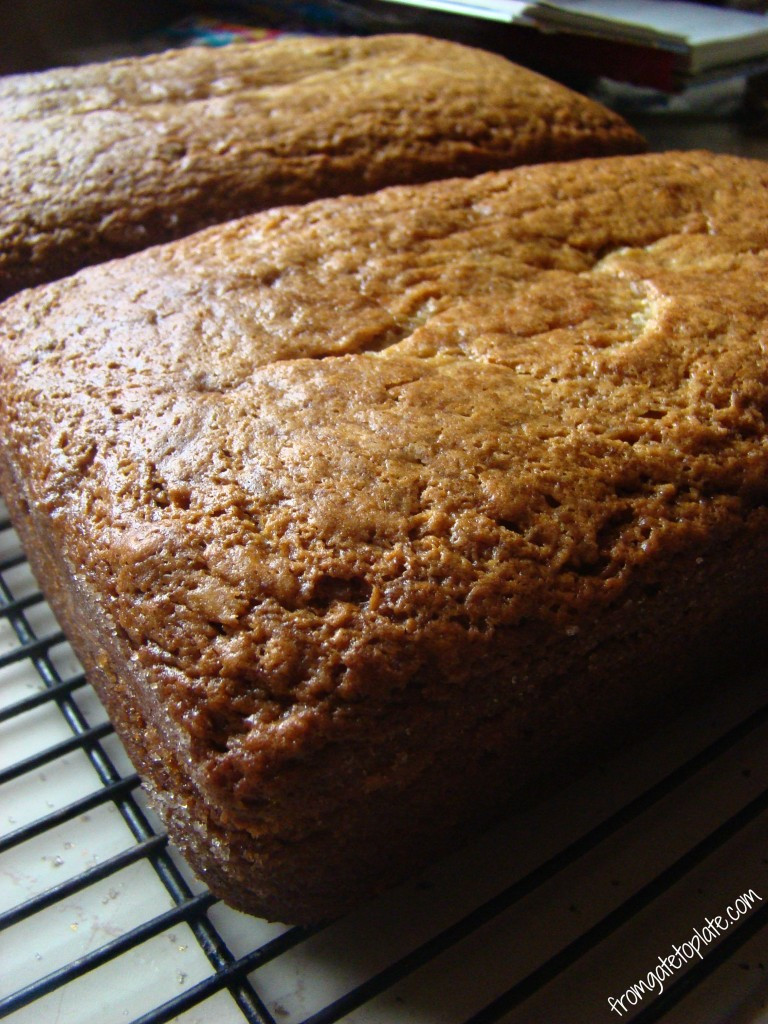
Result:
[665,44]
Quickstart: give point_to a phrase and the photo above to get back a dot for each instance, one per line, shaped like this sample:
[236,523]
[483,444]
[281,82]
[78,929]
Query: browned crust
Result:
[669,632]
[347,604]
[107,159]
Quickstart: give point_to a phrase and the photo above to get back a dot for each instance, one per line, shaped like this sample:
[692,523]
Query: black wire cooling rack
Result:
[545,918]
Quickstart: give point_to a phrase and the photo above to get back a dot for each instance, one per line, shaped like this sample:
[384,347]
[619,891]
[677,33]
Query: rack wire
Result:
[544,918]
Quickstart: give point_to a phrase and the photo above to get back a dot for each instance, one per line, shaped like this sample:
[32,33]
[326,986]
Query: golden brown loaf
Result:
[103,160]
[361,514]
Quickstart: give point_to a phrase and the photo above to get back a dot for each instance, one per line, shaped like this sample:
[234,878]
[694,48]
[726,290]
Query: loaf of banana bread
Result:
[103,160]
[363,514]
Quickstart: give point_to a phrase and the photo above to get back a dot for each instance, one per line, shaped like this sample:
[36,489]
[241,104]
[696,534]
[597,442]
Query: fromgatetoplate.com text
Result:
[713,927]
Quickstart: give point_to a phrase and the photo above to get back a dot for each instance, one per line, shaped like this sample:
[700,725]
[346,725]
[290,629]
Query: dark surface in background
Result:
[36,34]
[41,33]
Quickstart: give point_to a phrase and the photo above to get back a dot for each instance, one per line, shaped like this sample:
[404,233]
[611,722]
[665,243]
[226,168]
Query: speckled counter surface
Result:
[677,132]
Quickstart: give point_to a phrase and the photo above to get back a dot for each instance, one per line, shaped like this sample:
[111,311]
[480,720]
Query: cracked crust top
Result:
[106,159]
[329,423]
